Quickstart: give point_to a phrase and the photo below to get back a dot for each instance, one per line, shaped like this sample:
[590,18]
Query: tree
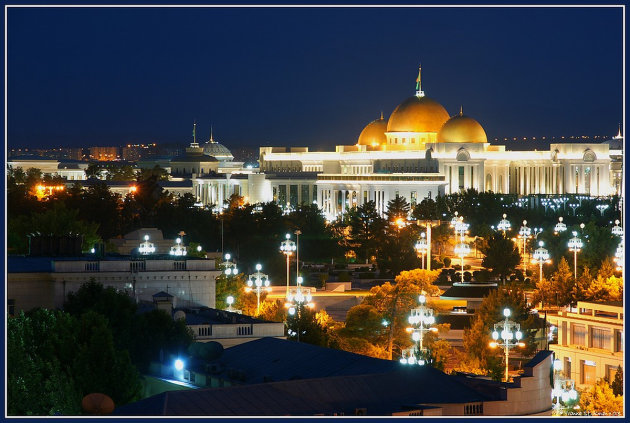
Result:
[156,171]
[93,170]
[477,337]
[617,383]
[501,255]
[600,400]
[366,229]
[54,359]
[364,321]
[422,278]
[563,281]
[304,322]
[426,210]
[397,208]
[396,251]
[610,289]
[394,302]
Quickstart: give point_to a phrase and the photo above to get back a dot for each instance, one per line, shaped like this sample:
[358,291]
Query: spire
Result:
[211,138]
[461,110]
[194,143]
[419,92]
[381,115]
[618,136]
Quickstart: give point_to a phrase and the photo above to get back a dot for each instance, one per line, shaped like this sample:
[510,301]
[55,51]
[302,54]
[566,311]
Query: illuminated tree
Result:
[366,229]
[501,256]
[609,289]
[600,400]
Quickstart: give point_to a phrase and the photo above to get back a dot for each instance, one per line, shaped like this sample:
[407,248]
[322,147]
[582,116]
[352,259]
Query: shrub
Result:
[467,267]
[467,276]
[447,262]
[481,275]
[528,272]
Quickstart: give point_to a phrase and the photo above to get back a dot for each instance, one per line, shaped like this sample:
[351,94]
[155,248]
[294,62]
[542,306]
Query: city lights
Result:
[146,247]
[575,245]
[258,282]
[287,247]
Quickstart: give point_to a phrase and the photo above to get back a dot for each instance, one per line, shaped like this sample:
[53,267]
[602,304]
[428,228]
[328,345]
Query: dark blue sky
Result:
[99,76]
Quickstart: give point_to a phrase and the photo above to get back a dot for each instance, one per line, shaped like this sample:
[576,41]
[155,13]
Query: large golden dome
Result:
[462,128]
[417,114]
[374,133]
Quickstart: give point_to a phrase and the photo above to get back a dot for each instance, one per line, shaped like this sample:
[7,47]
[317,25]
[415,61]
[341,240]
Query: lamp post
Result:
[541,255]
[288,247]
[619,257]
[617,230]
[462,250]
[146,247]
[298,299]
[229,266]
[602,208]
[422,246]
[563,388]
[230,300]
[524,233]
[560,227]
[507,335]
[504,225]
[421,320]
[178,249]
[258,282]
[575,245]
[297,251]
[573,206]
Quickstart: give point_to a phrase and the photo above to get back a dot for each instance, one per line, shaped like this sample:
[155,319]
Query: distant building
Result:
[590,341]
[72,170]
[104,154]
[135,152]
[46,281]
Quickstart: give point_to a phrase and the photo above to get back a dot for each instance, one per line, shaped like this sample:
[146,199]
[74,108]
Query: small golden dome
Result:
[462,128]
[374,133]
[417,114]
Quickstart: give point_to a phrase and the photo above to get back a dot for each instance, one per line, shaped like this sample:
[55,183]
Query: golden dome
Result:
[417,114]
[374,133]
[462,128]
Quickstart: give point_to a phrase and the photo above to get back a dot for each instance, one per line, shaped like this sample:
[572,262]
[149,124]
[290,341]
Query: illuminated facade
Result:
[420,151]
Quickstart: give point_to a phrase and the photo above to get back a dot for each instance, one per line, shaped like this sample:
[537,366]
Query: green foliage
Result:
[144,335]
[600,400]
[501,255]
[617,383]
[54,359]
[305,322]
[366,229]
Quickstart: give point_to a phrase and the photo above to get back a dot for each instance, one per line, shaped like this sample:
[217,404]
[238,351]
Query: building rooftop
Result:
[404,388]
[468,290]
[212,316]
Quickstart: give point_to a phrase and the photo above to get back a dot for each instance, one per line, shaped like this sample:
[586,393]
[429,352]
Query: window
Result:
[461,177]
[588,372]
[282,194]
[473,409]
[578,334]
[11,307]
[619,342]
[611,372]
[567,367]
[414,198]
[314,193]
[293,195]
[600,338]
[304,194]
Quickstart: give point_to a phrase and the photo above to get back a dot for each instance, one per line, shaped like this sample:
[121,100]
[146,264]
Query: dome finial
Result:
[419,92]
[461,110]
[618,136]
[211,138]
[381,115]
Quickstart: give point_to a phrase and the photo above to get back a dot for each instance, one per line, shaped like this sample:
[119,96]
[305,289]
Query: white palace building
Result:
[419,151]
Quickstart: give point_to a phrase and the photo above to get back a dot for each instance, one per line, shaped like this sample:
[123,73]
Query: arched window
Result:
[488,182]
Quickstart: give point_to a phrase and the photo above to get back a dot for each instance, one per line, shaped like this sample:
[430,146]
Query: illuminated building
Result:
[420,151]
[590,341]
[104,154]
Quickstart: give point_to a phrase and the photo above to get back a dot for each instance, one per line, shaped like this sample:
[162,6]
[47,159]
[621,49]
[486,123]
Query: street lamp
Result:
[574,206]
[602,208]
[230,267]
[504,224]
[563,388]
[617,230]
[258,282]
[421,319]
[422,246]
[619,256]
[575,245]
[288,247]
[524,232]
[462,250]
[560,227]
[296,300]
[541,255]
[230,300]
[146,247]
[178,249]
[507,335]
[297,251]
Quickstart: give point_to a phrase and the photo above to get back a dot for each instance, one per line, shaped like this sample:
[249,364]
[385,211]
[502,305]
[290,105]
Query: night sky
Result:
[313,77]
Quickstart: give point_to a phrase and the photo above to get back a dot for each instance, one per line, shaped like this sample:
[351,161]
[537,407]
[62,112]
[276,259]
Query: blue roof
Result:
[380,394]
[22,264]
[279,359]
